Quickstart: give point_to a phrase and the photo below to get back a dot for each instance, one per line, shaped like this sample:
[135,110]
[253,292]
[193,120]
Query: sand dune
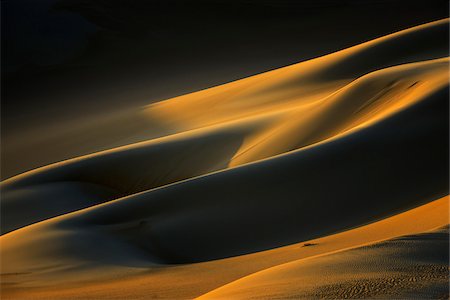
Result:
[408,267]
[228,173]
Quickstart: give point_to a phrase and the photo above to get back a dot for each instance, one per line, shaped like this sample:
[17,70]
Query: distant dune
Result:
[327,178]
[69,90]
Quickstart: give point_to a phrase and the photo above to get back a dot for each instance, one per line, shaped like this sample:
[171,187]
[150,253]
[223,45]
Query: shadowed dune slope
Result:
[283,157]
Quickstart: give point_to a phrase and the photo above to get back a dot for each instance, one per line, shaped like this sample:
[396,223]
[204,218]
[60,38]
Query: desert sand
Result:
[327,178]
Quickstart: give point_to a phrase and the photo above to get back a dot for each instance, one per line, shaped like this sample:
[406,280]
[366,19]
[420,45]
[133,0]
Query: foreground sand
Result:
[408,267]
[279,273]
[240,187]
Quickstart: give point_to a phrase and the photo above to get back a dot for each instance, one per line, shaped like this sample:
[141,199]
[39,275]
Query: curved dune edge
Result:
[293,108]
[430,217]
[219,277]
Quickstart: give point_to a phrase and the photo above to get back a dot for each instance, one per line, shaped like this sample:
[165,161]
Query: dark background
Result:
[66,59]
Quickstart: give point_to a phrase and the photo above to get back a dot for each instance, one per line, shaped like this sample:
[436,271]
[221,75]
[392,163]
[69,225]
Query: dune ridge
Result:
[240,171]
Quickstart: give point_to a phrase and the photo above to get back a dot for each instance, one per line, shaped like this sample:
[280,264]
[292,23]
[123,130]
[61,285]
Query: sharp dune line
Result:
[215,193]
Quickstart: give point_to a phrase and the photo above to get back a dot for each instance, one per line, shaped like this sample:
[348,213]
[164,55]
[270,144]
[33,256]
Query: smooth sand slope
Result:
[280,158]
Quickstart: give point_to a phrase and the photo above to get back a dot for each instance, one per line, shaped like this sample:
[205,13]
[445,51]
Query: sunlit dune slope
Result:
[304,82]
[292,155]
[289,109]
[408,267]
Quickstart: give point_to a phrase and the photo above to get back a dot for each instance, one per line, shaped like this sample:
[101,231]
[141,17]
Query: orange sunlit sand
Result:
[326,178]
